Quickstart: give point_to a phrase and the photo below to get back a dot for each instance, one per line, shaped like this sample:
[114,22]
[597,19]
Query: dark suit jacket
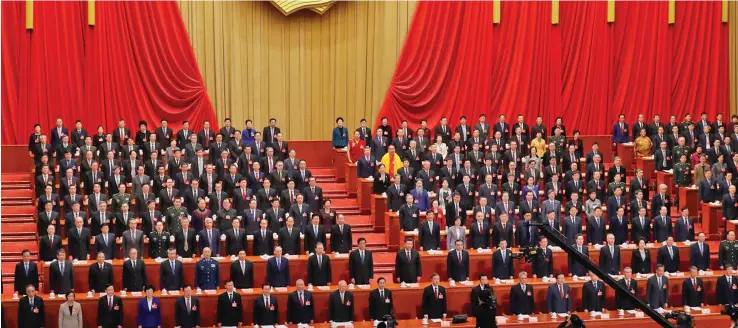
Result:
[608,263]
[311,239]
[108,317]
[187,318]
[109,248]
[555,303]
[341,241]
[683,231]
[671,264]
[79,245]
[171,280]
[290,243]
[699,259]
[430,238]
[479,239]
[46,249]
[319,275]
[622,302]
[458,271]
[278,276]
[693,295]
[341,311]
[61,282]
[191,242]
[593,298]
[300,312]
[726,293]
[263,245]
[640,231]
[499,233]
[434,307]
[235,244]
[543,263]
[31,317]
[408,270]
[21,279]
[245,278]
[661,228]
[360,271]
[639,264]
[657,295]
[98,279]
[229,315]
[521,302]
[576,268]
[213,244]
[134,279]
[380,306]
[264,315]
[595,232]
[502,269]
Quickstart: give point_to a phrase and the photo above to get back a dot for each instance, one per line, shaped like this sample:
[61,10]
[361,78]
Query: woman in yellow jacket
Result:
[539,145]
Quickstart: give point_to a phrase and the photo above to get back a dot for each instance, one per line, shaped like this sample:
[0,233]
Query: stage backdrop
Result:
[135,63]
[456,61]
[304,69]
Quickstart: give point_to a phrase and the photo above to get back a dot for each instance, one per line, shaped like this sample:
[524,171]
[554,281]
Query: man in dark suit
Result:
[662,227]
[341,238]
[629,284]
[395,194]
[434,298]
[477,290]
[235,238]
[503,230]
[366,165]
[410,214]
[361,264]
[289,237]
[100,274]
[49,244]
[110,309]
[31,311]
[668,256]
[576,268]
[61,274]
[521,296]
[640,227]
[105,242]
[184,240]
[596,227]
[525,234]
[380,301]
[684,227]
[729,206]
[610,256]
[26,273]
[707,190]
[209,237]
[266,308]
[693,293]
[134,272]
[699,253]
[187,310]
[300,307]
[543,260]
[657,289]
[408,267]
[78,239]
[558,298]
[300,211]
[242,272]
[313,194]
[726,291]
[319,267]
[230,308]
[593,294]
[572,224]
[429,236]
[457,262]
[502,262]
[278,269]
[341,304]
[619,226]
[314,234]
[171,273]
[263,239]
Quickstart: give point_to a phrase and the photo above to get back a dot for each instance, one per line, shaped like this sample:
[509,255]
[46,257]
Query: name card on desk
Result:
[136,294]
[210,291]
[247,290]
[532,319]
[281,289]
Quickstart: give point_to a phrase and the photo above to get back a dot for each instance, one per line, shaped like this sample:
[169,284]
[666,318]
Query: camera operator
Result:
[572,321]
[486,309]
[475,292]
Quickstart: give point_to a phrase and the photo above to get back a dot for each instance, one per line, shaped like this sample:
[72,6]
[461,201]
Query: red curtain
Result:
[136,63]
[584,69]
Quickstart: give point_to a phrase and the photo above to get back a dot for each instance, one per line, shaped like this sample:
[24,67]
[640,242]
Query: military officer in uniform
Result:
[207,271]
[728,251]
[120,198]
[617,183]
[679,150]
[173,214]
[682,175]
[559,141]
[158,241]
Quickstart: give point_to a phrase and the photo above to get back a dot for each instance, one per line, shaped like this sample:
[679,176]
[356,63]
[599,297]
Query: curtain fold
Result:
[583,69]
[135,63]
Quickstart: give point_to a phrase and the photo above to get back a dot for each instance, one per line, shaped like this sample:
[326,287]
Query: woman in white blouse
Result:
[441,147]
[454,233]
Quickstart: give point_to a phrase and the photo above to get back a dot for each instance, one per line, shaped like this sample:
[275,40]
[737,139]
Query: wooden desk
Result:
[298,270]
[690,198]
[378,207]
[666,178]
[364,195]
[646,164]
[352,182]
[627,155]
[339,158]
[712,216]
[406,301]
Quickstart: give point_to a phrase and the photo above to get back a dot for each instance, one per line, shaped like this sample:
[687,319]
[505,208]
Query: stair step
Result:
[323,172]
[335,194]
[14,211]
[16,194]
[18,220]
[16,202]
[333,187]
[15,177]
[25,239]
[18,229]
[358,219]
[19,186]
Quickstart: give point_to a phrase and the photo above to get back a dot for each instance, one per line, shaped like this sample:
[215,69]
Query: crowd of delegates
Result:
[194,189]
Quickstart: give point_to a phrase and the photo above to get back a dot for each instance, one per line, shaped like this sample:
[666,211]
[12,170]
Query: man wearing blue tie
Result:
[620,131]
[278,269]
[210,237]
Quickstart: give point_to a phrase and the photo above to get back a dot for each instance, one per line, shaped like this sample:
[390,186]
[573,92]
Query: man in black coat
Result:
[319,267]
[631,285]
[457,262]
[134,272]
[543,260]
[26,273]
[610,256]
[380,301]
[266,308]
[657,289]
[341,304]
[235,238]
[187,310]
[61,274]
[640,226]
[341,238]
[408,267]
[477,290]
[662,227]
[314,234]
[300,307]
[171,272]
[184,240]
[699,253]
[479,234]
[109,309]
[409,214]
[434,298]
[726,291]
[596,227]
[429,236]
[49,244]
[289,238]
[693,289]
[230,308]
[521,296]
[576,268]
[593,294]
[263,239]
[361,264]
[503,230]
[78,239]
[668,255]
[242,272]
[502,262]
[31,310]
[100,275]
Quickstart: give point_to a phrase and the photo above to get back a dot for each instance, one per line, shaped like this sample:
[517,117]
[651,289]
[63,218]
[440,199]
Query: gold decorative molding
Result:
[288,7]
